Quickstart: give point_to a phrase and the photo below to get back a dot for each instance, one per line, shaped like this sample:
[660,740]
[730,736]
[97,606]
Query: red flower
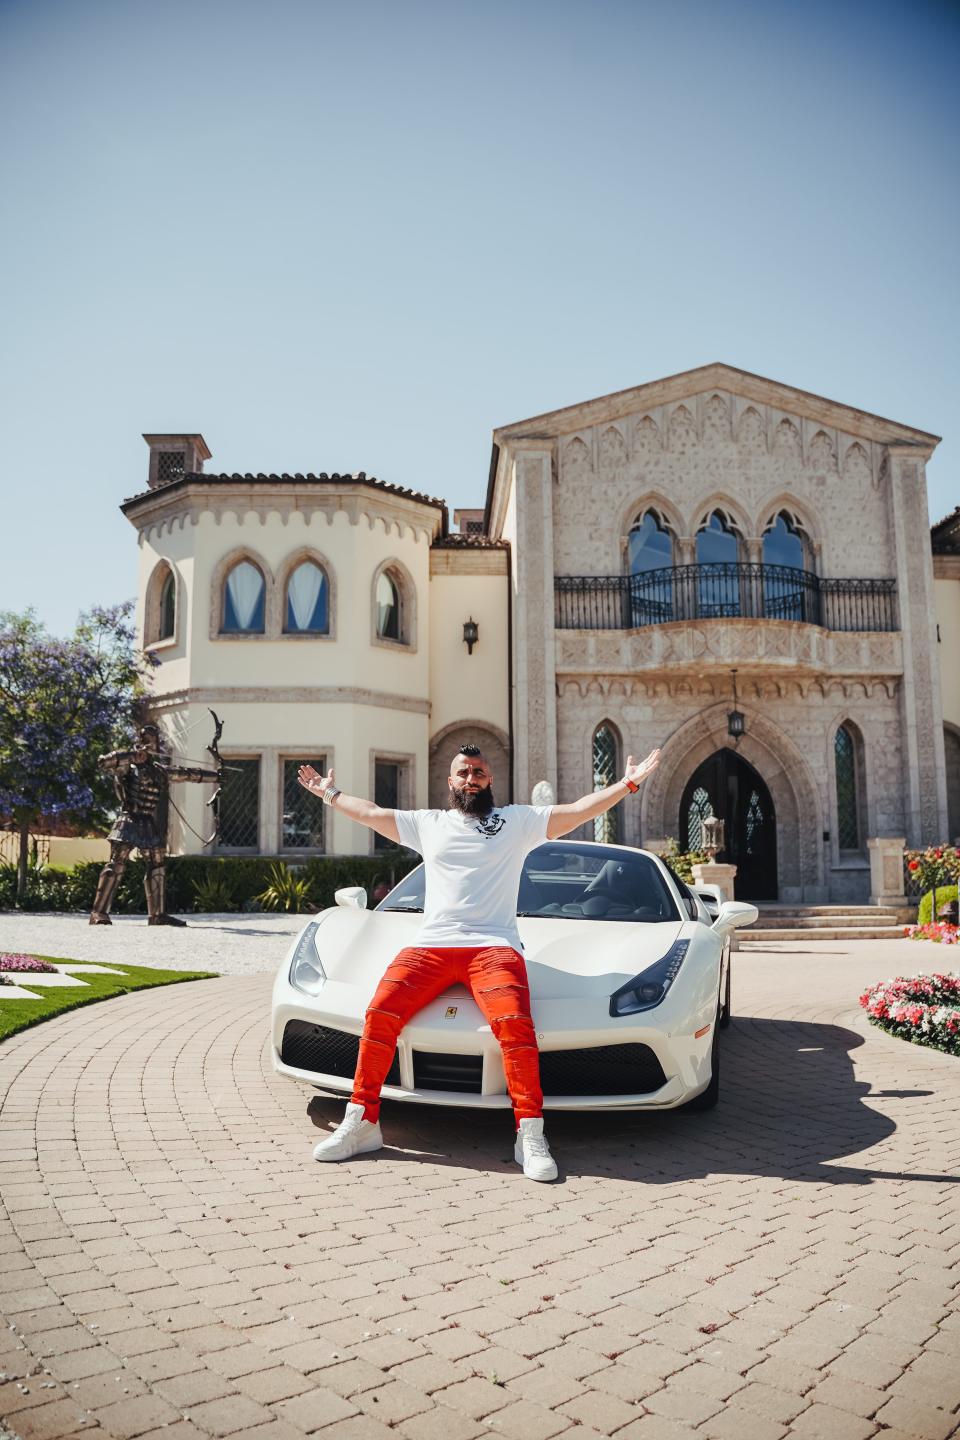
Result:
[914,865]
[938,854]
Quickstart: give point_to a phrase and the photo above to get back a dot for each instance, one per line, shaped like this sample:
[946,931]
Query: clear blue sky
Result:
[359,236]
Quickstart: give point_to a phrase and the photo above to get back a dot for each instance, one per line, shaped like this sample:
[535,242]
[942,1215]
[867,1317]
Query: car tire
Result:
[708,1098]
[726,1013]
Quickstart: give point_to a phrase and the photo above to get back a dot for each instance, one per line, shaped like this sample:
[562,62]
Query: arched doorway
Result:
[728,786]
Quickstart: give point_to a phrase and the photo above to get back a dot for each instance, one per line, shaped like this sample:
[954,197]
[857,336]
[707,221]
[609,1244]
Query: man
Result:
[473,854]
[142,779]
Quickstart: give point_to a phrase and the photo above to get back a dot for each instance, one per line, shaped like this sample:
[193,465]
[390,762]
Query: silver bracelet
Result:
[331,794]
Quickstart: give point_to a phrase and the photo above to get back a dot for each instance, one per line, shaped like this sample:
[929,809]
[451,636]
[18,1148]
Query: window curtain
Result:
[387,609]
[244,591]
[303,592]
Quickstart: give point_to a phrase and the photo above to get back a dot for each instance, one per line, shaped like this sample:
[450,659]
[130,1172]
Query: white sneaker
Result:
[533,1152]
[353,1136]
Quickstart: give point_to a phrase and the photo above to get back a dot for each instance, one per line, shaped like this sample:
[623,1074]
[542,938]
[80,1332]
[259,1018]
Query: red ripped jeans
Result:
[496,977]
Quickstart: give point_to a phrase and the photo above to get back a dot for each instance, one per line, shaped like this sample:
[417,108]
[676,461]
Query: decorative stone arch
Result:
[219,579]
[407,592]
[728,506]
[495,744]
[803,516]
[284,572]
[152,610]
[784,770]
[666,511]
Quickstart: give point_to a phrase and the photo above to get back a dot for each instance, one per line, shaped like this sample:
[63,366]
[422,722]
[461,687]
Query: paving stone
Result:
[230,1413]
[131,1417]
[924,1421]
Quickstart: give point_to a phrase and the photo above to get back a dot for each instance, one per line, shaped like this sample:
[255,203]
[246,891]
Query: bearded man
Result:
[473,854]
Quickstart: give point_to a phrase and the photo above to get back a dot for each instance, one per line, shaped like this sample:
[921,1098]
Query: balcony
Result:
[722,592]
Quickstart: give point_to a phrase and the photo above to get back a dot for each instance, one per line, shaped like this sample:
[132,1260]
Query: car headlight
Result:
[647,989]
[306,972]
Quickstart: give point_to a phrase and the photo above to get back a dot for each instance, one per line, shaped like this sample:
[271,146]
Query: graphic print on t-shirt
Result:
[490,825]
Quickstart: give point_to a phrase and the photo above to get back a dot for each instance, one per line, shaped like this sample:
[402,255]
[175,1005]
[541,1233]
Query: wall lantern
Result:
[712,833]
[736,720]
[471,634]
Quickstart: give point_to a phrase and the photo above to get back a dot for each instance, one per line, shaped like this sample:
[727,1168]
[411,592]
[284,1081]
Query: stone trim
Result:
[151,607]
[406,586]
[287,695]
[284,753]
[218,581]
[469,562]
[285,571]
[408,781]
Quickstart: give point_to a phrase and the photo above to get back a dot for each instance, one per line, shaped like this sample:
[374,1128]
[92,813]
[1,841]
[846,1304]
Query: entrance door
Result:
[726,785]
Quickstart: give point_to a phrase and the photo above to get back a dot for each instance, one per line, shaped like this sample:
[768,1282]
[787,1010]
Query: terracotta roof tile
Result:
[360,478]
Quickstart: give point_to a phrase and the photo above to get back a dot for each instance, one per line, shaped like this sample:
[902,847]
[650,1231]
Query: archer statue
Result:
[142,778]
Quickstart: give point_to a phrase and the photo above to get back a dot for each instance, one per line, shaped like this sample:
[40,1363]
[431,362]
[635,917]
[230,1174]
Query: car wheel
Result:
[726,1013]
[708,1098]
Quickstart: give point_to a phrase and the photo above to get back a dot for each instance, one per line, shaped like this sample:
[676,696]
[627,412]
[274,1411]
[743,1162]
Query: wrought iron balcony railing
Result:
[711,592]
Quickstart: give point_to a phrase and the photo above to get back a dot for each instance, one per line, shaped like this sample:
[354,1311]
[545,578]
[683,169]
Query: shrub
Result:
[946,895]
[240,877]
[286,891]
[682,861]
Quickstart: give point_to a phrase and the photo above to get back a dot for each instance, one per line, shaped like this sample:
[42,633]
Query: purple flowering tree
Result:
[63,703]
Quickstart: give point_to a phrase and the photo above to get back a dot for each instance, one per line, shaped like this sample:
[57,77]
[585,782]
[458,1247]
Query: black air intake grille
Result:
[326,1052]
[603,1070]
[463,1073]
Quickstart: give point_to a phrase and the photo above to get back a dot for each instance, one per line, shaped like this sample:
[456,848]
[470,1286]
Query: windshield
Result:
[572,882]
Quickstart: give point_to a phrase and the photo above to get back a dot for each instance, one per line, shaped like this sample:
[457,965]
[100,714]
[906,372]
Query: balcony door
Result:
[726,785]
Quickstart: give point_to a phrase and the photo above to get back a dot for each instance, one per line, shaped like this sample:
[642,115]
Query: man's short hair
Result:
[472,752]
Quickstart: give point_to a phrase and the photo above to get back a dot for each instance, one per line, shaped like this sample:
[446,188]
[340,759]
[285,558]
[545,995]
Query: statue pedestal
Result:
[714,874]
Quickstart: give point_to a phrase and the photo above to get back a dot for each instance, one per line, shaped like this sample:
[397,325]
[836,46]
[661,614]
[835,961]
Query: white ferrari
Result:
[629,972]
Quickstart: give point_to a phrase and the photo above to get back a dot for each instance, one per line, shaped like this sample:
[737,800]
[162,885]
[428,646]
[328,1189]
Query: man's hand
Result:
[313,781]
[635,773]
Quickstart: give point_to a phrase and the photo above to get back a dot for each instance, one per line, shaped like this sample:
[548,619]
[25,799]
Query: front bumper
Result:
[448,1055]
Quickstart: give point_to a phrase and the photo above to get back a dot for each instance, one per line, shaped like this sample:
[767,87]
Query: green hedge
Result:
[244,877]
[945,895]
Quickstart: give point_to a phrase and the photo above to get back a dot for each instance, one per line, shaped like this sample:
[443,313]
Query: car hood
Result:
[564,957]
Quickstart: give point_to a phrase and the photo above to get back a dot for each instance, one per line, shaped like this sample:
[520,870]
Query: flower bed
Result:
[25,963]
[921,1008]
[939,931]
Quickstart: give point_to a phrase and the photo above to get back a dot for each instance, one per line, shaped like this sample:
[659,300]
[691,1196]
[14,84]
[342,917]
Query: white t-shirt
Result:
[473,866]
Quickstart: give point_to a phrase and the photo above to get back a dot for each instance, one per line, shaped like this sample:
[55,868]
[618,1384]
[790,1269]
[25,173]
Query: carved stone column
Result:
[925,777]
[534,653]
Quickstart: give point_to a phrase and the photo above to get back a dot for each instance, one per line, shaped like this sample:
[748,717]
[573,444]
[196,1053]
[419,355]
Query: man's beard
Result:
[479,803]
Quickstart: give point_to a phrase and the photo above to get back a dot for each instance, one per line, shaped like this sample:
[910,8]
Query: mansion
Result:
[715,563]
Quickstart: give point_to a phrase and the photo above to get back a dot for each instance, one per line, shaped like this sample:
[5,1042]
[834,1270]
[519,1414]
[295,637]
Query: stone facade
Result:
[685,447]
[875,665]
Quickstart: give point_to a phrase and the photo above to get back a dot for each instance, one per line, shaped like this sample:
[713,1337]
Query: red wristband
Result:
[630,785]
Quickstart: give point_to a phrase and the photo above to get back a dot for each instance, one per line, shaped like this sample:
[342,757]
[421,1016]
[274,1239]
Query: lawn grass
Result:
[19,1014]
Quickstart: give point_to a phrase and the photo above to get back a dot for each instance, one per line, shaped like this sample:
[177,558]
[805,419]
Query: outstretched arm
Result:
[564,818]
[365,812]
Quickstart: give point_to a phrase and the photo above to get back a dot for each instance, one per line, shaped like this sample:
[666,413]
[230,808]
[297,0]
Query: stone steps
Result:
[821,922]
[843,918]
[757,937]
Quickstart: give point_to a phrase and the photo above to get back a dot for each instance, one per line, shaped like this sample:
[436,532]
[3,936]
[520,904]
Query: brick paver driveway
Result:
[175,1264]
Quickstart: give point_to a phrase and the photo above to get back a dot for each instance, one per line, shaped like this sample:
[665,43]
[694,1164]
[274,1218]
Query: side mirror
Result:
[734,913]
[353,897]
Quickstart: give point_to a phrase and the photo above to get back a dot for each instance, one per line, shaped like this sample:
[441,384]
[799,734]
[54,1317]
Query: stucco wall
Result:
[946,592]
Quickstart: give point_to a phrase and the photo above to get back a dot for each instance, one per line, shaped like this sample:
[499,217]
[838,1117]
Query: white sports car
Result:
[629,975]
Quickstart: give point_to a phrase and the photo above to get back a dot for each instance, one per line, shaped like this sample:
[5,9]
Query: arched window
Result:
[168,608]
[718,586]
[244,596]
[650,554]
[307,610]
[848,789]
[786,596]
[651,544]
[783,543]
[606,771]
[389,619]
[698,810]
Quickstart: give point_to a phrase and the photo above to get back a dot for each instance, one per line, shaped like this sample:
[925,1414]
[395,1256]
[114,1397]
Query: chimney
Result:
[173,456]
